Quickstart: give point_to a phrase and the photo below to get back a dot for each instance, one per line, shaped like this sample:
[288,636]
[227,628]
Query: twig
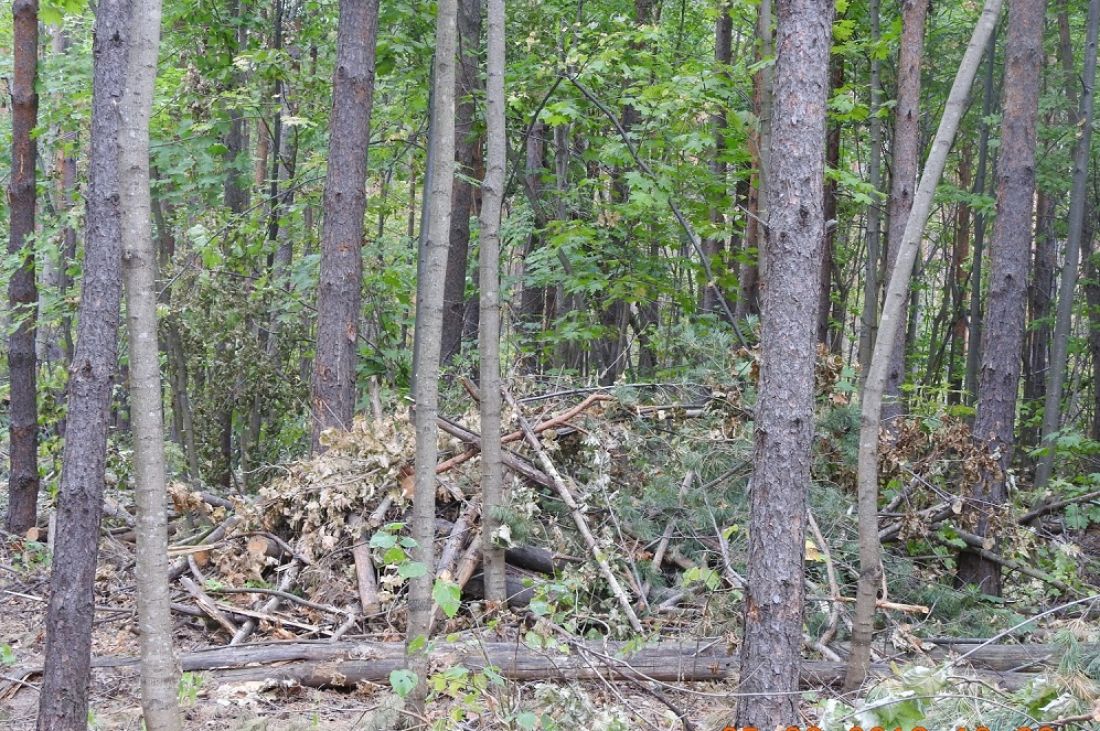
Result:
[282,595]
[272,604]
[1057,505]
[834,588]
[208,606]
[457,539]
[576,513]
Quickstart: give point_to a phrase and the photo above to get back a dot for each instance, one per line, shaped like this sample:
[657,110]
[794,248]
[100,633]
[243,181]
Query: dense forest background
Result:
[770,321]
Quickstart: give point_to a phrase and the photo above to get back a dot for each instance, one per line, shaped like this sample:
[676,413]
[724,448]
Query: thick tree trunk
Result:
[894,302]
[431,271]
[1077,204]
[995,420]
[791,271]
[467,159]
[905,149]
[22,291]
[63,700]
[492,191]
[339,292]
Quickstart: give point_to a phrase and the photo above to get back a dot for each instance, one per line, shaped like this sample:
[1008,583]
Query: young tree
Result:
[869,317]
[22,292]
[63,701]
[995,419]
[159,667]
[790,271]
[339,292]
[893,311]
[431,270]
[905,150]
[492,199]
[1077,203]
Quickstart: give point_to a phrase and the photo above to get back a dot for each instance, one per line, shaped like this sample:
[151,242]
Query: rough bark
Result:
[791,270]
[995,419]
[159,667]
[431,271]
[467,154]
[22,290]
[905,152]
[1077,204]
[339,290]
[63,701]
[893,312]
[492,191]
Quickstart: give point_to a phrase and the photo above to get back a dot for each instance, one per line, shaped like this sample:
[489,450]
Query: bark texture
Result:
[492,474]
[63,702]
[869,319]
[22,291]
[431,271]
[339,295]
[998,383]
[906,166]
[159,667]
[790,274]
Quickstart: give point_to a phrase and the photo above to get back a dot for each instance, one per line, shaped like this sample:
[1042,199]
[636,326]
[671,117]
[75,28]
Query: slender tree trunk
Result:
[339,292]
[974,339]
[869,318]
[492,191]
[713,245]
[63,700]
[467,155]
[748,298]
[960,252]
[431,272]
[832,160]
[22,291]
[1092,295]
[1040,303]
[893,311]
[792,262]
[905,149]
[1077,204]
[995,419]
[159,666]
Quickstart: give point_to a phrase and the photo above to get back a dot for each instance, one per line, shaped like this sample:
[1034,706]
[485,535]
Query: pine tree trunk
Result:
[22,291]
[339,292]
[492,476]
[893,311]
[431,272]
[994,422]
[63,700]
[906,166]
[792,264]
[467,157]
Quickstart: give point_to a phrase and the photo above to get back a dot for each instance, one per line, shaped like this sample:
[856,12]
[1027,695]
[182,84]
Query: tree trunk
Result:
[894,302]
[713,245]
[467,155]
[22,291]
[832,160]
[159,666]
[960,252]
[63,700]
[748,296]
[339,291]
[1077,204]
[1040,302]
[431,271]
[997,389]
[1092,295]
[974,339]
[492,191]
[905,149]
[791,271]
[869,318]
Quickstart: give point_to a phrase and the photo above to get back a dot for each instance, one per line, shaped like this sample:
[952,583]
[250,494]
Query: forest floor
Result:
[661,471]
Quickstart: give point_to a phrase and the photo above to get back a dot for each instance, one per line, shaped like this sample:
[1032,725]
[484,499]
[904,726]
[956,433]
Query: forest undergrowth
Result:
[294,590]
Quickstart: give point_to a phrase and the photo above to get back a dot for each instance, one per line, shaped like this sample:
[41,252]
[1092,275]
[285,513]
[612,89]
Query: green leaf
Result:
[448,595]
[412,570]
[403,681]
[527,720]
